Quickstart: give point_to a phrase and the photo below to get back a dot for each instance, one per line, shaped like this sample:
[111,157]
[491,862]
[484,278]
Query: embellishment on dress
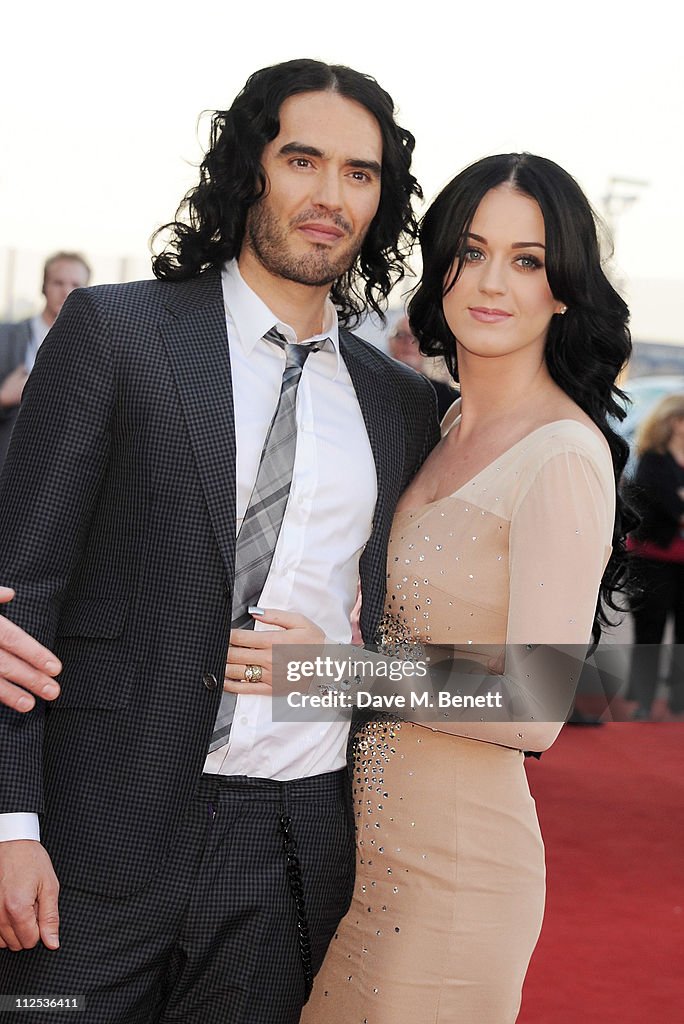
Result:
[396,638]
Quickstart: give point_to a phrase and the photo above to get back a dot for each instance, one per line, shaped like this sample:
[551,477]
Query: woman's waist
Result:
[390,738]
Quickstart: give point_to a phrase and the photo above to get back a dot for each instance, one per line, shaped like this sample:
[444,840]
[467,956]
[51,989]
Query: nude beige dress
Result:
[449,893]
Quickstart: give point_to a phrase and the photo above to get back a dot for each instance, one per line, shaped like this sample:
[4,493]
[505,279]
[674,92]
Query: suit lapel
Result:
[196,340]
[385,428]
[382,418]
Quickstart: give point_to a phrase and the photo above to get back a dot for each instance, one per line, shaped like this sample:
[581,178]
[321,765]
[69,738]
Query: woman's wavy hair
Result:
[210,221]
[586,348]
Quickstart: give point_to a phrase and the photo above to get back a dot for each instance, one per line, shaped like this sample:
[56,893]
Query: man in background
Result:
[19,342]
[402,344]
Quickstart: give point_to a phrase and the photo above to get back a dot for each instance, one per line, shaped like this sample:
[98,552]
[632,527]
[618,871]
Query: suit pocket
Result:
[97,674]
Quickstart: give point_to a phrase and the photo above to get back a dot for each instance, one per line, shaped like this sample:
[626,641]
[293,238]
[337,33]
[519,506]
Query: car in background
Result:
[644,393]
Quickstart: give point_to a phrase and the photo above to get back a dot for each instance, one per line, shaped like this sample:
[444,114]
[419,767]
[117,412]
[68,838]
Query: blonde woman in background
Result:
[657,554]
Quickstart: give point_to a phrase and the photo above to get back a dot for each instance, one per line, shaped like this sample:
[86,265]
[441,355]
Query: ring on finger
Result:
[253,673]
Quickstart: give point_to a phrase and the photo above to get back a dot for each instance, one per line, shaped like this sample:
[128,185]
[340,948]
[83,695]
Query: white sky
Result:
[99,105]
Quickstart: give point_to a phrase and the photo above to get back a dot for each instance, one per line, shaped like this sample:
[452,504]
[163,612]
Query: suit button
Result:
[210,680]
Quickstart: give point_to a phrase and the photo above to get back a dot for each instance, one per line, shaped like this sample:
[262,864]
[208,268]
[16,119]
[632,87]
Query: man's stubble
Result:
[268,240]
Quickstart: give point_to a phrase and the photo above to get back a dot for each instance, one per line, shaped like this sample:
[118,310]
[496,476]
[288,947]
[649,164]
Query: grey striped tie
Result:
[258,534]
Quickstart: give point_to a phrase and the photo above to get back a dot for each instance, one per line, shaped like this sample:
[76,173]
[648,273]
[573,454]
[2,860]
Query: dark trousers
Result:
[662,584]
[214,937]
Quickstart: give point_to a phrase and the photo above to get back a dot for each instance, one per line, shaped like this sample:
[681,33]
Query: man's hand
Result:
[26,667]
[12,387]
[29,892]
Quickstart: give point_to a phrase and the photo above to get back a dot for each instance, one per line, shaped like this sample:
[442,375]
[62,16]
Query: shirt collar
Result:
[252,318]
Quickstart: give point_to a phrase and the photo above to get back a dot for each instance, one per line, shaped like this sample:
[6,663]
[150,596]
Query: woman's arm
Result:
[559,545]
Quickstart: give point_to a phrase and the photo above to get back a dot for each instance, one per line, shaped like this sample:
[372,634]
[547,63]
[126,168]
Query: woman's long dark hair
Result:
[586,348]
[210,223]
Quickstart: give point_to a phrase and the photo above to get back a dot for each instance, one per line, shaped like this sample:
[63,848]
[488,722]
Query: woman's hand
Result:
[254,647]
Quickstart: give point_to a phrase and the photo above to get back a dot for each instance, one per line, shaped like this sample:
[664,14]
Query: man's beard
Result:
[269,242]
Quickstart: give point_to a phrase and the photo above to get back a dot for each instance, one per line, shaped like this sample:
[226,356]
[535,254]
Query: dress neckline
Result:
[537,430]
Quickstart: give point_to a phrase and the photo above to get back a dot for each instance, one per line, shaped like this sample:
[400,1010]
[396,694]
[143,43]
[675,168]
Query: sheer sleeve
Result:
[561,532]
[560,540]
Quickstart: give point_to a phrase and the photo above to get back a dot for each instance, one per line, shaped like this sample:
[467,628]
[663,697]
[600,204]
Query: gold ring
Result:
[253,673]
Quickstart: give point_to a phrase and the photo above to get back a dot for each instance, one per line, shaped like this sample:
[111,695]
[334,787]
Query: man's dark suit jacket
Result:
[14,342]
[117,530]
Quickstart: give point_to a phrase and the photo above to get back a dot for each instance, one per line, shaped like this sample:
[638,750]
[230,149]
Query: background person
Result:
[657,556]
[19,342]
[402,344]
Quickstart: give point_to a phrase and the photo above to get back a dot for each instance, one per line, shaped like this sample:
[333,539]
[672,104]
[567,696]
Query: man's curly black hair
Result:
[210,222]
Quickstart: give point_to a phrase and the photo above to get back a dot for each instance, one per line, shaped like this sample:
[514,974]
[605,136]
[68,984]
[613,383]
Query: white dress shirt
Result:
[327,522]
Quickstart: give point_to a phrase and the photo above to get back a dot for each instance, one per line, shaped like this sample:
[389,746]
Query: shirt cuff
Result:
[19,825]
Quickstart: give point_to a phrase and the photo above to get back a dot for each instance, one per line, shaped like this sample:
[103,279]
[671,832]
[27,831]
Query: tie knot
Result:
[295,354]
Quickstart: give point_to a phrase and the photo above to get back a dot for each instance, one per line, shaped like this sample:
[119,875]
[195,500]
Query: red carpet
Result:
[611,806]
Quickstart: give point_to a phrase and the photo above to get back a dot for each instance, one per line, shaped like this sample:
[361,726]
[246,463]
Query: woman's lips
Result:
[488,316]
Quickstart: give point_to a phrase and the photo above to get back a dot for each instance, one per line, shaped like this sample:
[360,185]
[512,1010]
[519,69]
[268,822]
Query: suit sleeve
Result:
[423,429]
[48,490]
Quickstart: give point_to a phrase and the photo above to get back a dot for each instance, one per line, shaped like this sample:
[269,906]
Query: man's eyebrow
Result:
[302,149]
[516,245]
[365,165]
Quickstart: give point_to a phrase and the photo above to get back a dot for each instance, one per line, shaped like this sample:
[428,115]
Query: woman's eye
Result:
[473,256]
[529,262]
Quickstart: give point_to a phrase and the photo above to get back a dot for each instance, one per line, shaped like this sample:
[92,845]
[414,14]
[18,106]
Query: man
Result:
[19,343]
[402,344]
[172,838]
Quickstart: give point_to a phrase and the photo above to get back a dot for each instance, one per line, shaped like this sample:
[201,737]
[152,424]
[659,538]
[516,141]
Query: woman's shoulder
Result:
[564,450]
[575,434]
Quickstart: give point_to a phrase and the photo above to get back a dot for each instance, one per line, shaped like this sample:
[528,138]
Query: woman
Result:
[503,537]
[657,554]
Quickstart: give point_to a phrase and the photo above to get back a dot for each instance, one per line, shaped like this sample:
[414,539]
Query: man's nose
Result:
[327,191]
